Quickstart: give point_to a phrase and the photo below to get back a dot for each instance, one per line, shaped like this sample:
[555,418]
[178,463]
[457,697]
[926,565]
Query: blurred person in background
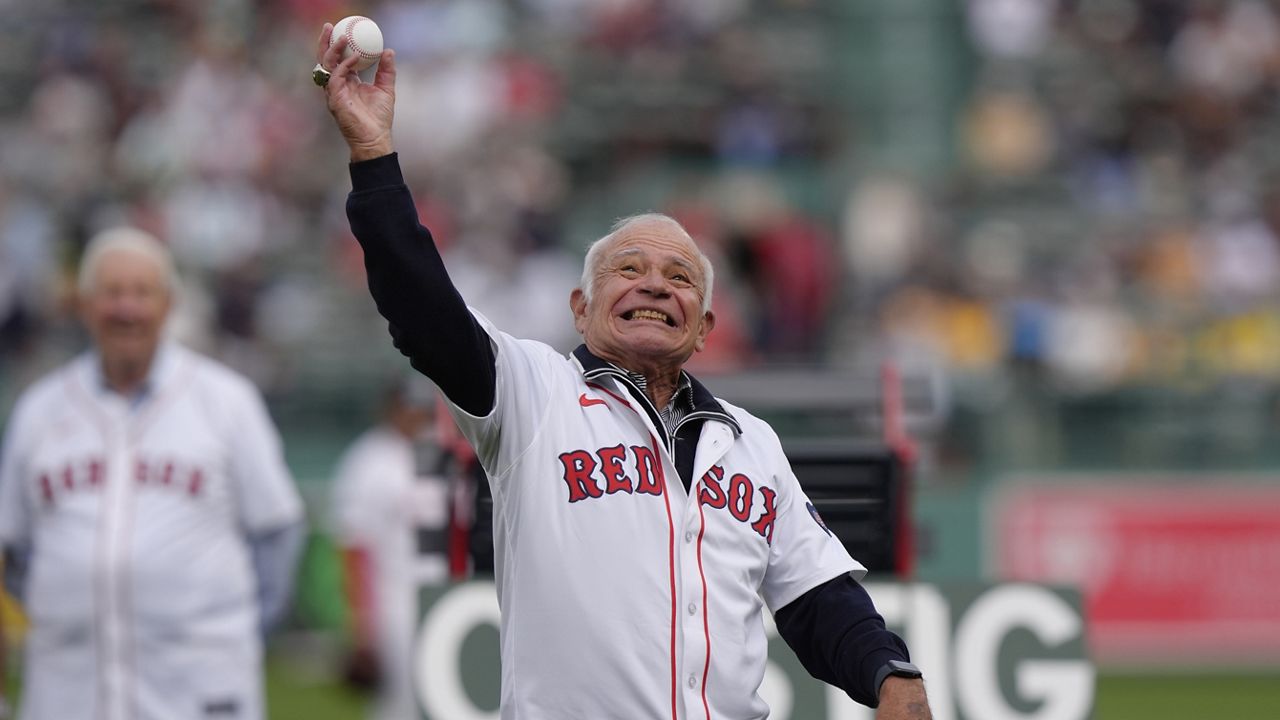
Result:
[391,520]
[587,581]
[26,262]
[150,525]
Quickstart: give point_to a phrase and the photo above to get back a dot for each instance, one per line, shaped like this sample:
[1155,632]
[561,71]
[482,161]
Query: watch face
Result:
[904,669]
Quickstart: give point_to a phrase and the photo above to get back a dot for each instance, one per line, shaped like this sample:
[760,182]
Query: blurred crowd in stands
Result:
[1117,218]
[1111,215]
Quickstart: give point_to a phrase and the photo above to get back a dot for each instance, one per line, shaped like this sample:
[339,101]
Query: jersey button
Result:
[688,536]
[692,608]
[692,681]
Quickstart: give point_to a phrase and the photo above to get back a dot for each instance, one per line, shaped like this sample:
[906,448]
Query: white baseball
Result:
[364,38]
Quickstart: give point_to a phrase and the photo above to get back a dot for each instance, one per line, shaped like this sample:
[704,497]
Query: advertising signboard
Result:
[1172,572]
[989,652]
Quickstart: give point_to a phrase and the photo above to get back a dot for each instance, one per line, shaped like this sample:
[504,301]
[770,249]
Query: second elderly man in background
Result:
[149,522]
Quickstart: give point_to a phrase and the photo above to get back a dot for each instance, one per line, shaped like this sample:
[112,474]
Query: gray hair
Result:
[124,239]
[595,254]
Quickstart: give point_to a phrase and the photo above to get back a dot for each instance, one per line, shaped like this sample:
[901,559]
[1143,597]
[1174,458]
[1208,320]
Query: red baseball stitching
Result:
[351,38]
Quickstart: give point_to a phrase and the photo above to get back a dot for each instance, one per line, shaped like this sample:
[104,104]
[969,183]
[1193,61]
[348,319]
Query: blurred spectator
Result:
[27,265]
[790,262]
[1013,29]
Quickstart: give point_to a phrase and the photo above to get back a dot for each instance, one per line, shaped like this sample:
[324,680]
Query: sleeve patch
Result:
[813,512]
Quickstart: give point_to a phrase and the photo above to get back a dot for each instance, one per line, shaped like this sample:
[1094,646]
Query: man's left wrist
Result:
[896,668]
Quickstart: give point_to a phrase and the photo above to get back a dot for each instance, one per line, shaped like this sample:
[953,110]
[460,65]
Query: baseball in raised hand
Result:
[364,38]
[363,111]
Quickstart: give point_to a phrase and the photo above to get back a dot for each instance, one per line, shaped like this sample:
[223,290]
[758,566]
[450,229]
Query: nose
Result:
[655,283]
[127,306]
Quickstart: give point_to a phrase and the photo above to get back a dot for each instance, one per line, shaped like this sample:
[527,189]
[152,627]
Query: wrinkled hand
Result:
[363,111]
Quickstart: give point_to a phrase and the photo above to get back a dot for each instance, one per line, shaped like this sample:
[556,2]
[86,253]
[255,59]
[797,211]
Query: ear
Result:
[578,306]
[708,323]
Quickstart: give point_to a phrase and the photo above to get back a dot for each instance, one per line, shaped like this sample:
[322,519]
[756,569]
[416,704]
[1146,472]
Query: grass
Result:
[294,693]
[305,691]
[1178,697]
[302,691]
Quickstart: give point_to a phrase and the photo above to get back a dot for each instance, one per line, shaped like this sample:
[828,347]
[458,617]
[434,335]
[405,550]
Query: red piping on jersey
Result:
[611,394]
[671,569]
[706,620]
[671,554]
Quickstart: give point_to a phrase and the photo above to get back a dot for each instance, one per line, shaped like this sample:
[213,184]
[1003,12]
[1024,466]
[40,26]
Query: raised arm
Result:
[429,321]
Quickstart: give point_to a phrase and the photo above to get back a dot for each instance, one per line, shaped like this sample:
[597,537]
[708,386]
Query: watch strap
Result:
[897,668]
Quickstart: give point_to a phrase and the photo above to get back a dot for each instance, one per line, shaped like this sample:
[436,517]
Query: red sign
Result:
[1171,573]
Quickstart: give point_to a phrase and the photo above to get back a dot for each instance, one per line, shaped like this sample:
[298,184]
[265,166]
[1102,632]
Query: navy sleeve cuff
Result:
[839,637]
[375,174]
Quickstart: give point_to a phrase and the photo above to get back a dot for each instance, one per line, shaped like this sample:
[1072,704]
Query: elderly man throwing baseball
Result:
[640,523]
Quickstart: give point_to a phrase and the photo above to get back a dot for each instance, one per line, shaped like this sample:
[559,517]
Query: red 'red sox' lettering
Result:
[589,475]
[615,476]
[712,494]
[739,499]
[578,466]
[647,468]
[90,474]
[764,525]
[741,492]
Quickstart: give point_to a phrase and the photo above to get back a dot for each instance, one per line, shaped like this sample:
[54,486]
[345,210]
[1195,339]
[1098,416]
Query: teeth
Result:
[648,315]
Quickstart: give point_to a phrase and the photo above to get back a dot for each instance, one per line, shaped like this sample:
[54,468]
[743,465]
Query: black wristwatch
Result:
[897,668]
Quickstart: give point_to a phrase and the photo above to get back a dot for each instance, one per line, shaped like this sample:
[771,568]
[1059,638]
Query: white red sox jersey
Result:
[140,593]
[382,503]
[623,595]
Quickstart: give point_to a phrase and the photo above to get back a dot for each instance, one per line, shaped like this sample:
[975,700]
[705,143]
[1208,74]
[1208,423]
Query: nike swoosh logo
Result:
[585,401]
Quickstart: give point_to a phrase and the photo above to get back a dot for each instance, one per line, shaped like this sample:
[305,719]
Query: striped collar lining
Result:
[692,397]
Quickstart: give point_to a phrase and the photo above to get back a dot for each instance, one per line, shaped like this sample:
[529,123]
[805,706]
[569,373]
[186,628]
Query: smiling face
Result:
[124,308]
[645,311]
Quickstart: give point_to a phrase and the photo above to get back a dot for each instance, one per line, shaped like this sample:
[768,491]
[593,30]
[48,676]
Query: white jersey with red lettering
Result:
[623,595]
[141,595]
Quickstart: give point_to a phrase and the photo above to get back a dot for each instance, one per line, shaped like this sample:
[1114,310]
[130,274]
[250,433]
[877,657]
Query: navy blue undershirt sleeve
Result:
[839,637]
[17,563]
[429,321]
[275,556]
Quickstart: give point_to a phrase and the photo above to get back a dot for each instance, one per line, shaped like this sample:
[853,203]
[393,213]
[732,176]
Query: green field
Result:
[1178,697]
[298,692]
[295,694]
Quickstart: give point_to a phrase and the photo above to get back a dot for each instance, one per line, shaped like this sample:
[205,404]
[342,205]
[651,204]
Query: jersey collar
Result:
[705,405]
[162,367]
